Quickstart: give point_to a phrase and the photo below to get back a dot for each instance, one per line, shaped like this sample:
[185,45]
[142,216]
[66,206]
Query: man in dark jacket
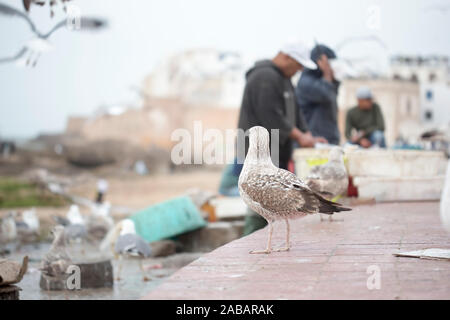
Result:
[317,95]
[269,101]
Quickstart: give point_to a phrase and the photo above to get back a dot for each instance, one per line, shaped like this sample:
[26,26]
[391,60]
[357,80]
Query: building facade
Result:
[399,101]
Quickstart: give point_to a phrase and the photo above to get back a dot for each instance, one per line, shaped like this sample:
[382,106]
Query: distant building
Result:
[154,123]
[199,77]
[398,99]
[435,104]
[433,75]
[427,69]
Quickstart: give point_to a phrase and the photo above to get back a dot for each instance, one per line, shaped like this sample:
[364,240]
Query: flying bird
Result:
[27,4]
[131,245]
[274,193]
[30,53]
[57,260]
[330,180]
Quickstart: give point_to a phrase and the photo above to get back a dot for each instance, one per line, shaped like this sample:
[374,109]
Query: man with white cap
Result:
[269,101]
[365,123]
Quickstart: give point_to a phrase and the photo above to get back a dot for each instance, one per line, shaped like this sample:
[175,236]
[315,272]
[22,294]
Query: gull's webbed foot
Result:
[331,219]
[282,249]
[266,251]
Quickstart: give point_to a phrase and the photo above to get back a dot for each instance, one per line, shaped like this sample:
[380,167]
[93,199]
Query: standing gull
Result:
[28,227]
[330,180]
[276,193]
[57,260]
[8,229]
[131,245]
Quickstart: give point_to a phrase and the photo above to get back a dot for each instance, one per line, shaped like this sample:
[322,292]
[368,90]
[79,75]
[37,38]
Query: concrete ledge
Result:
[328,260]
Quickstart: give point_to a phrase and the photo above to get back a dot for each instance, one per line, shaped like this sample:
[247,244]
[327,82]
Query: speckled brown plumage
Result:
[276,193]
[329,179]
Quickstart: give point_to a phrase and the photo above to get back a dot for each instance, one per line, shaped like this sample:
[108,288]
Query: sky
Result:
[88,70]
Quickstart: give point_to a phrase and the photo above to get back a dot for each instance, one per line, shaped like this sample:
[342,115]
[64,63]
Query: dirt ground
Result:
[137,192]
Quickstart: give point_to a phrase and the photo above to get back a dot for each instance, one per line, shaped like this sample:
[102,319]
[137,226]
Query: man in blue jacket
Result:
[316,94]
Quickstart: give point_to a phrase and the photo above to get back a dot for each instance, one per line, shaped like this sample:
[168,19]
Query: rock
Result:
[91,154]
[9,293]
[12,272]
[49,283]
[214,235]
[163,248]
[92,275]
[96,275]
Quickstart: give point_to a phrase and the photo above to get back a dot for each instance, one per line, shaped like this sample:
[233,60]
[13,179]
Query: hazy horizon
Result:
[85,71]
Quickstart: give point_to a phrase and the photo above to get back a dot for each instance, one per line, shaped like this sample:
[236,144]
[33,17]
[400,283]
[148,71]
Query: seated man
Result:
[365,124]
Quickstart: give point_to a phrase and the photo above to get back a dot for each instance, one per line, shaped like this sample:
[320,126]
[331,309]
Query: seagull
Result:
[57,260]
[30,53]
[76,230]
[330,180]
[131,245]
[274,193]
[100,221]
[8,229]
[28,227]
[28,3]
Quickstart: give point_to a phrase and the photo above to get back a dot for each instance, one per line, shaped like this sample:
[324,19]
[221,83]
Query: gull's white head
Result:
[127,226]
[336,154]
[58,236]
[31,219]
[74,215]
[259,143]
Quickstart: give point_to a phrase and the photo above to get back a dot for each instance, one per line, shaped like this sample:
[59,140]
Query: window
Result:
[429,95]
[428,115]
[432,77]
[408,107]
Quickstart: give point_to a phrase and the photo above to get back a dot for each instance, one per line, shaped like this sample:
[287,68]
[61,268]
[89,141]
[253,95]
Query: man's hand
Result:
[365,143]
[325,67]
[305,139]
[320,140]
[357,135]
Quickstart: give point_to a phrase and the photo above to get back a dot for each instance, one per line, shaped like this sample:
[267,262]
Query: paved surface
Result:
[328,260]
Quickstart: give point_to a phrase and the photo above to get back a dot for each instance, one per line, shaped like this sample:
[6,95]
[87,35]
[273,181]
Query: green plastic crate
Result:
[168,219]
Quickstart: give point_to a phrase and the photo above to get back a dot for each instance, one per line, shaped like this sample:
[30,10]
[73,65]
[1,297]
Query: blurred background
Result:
[92,111]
